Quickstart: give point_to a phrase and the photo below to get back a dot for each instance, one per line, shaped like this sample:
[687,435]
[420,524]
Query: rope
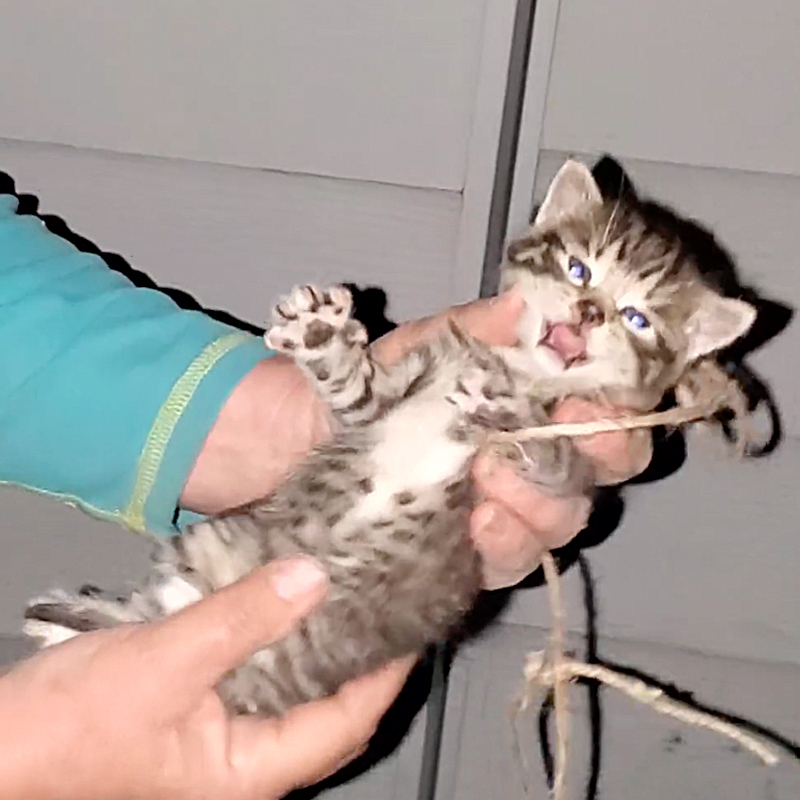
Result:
[708,392]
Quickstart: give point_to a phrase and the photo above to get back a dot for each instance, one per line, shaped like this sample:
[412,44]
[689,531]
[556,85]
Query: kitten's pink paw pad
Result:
[310,318]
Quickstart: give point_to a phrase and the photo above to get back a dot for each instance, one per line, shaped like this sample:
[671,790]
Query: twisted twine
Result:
[552,669]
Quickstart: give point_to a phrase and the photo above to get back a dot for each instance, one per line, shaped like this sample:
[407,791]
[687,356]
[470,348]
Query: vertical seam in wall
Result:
[508,144]
[537,89]
[498,215]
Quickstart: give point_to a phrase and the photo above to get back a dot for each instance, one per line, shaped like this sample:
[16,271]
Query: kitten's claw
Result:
[308,298]
[310,318]
[487,399]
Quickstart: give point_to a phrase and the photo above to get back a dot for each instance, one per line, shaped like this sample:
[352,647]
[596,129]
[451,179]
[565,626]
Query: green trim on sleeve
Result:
[165,422]
[190,432]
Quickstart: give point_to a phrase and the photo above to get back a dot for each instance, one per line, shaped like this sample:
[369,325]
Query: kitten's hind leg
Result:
[59,616]
[313,327]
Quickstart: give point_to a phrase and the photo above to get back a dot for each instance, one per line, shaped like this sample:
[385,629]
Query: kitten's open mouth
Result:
[565,341]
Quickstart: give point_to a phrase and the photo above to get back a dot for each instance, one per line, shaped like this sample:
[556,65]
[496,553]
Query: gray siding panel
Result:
[708,84]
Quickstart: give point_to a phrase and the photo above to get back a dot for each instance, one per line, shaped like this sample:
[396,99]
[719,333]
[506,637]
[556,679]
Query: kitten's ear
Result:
[717,322]
[612,180]
[573,192]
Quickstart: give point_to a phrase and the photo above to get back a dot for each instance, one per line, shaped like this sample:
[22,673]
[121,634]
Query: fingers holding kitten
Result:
[510,550]
[617,456]
[517,521]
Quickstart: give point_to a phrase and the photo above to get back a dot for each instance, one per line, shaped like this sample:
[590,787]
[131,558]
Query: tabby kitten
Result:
[615,305]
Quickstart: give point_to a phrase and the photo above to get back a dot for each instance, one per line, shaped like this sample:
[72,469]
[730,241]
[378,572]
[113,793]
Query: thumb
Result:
[272,757]
[492,320]
[218,633]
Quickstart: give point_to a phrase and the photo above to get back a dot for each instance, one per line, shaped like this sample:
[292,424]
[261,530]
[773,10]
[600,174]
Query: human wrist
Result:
[269,422]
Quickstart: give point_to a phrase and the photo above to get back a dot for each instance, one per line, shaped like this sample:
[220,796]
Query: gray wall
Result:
[711,84]
[371,91]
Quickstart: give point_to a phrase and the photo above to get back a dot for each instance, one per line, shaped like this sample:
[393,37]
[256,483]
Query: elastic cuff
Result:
[181,427]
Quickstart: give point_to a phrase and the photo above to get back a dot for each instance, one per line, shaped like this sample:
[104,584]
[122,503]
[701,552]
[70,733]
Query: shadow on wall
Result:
[369,304]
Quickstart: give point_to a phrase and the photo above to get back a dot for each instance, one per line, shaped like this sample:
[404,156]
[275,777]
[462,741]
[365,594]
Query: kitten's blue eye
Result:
[636,318]
[578,272]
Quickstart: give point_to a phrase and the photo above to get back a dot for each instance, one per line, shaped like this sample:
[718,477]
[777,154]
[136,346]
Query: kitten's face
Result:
[613,303]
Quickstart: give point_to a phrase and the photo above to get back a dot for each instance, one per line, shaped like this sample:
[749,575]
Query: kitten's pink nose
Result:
[567,341]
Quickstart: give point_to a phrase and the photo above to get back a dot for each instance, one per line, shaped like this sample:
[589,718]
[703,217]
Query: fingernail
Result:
[484,468]
[513,298]
[484,518]
[296,577]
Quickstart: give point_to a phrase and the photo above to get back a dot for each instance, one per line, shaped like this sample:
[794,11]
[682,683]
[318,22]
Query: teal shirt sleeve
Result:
[107,390]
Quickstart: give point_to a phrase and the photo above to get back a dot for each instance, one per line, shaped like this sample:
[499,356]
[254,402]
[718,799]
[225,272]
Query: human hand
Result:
[131,713]
[516,521]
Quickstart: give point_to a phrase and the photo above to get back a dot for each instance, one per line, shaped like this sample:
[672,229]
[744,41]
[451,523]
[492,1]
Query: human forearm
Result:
[265,428]
[107,390]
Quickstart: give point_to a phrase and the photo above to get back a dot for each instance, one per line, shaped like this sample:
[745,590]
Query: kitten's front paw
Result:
[487,400]
[311,318]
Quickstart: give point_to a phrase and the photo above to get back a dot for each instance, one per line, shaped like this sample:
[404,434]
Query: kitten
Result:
[614,305]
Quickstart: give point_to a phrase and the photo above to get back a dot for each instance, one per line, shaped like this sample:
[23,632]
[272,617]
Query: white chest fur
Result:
[414,451]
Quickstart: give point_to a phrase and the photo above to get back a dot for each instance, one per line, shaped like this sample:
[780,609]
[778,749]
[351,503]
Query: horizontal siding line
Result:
[151,157]
[671,163]
[573,632]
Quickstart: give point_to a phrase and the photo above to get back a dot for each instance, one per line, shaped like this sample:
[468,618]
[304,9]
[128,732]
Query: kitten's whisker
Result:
[610,222]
